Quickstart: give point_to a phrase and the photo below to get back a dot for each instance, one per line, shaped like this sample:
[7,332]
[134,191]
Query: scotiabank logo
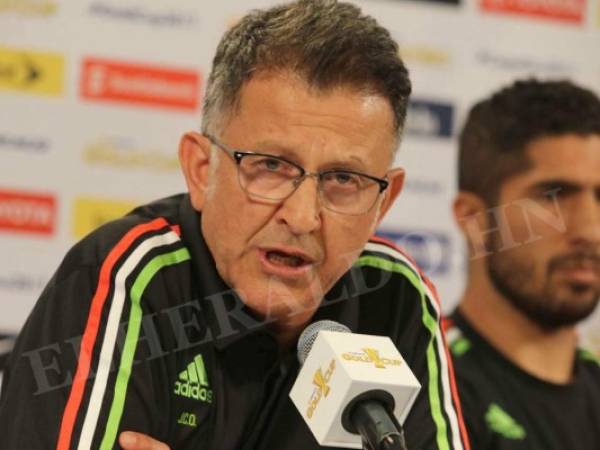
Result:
[567,10]
[115,81]
[27,212]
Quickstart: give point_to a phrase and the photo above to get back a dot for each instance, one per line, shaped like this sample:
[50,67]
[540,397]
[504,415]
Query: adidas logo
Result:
[193,382]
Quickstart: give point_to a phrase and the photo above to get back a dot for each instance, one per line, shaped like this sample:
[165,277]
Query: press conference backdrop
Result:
[95,94]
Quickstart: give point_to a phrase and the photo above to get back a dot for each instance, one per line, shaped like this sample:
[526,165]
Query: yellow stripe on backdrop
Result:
[30,71]
[89,213]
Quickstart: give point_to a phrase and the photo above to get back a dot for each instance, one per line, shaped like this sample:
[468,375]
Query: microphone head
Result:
[310,333]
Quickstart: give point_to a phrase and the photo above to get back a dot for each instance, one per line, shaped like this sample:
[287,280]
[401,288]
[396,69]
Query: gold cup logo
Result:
[371,355]
[321,383]
[322,388]
[374,357]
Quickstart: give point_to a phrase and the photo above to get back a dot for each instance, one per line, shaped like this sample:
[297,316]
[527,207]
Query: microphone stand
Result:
[378,428]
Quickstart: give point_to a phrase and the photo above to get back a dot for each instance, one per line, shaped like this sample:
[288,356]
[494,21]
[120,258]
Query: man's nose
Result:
[301,211]
[584,220]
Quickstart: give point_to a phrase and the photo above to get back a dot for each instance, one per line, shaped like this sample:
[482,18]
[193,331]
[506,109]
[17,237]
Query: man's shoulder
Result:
[127,241]
[588,376]
[475,360]
[136,263]
[386,255]
[458,336]
[383,256]
[393,291]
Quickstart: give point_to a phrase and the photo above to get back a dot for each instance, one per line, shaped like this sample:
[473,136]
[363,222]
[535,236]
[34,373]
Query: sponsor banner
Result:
[27,212]
[564,10]
[426,55]
[123,152]
[31,71]
[22,282]
[421,186]
[90,213]
[429,119]
[141,84]
[142,14]
[431,250]
[29,7]
[24,144]
[518,63]
[448,2]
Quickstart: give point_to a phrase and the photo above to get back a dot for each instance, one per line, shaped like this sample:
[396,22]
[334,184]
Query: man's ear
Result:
[194,157]
[396,180]
[471,216]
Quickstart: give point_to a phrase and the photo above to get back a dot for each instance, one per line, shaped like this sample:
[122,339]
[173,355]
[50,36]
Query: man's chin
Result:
[273,305]
[571,312]
[289,307]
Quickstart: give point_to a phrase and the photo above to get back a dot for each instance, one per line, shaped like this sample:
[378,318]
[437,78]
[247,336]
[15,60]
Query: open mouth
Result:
[285,259]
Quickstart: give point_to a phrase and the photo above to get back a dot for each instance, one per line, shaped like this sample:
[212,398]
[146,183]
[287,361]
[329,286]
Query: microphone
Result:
[353,390]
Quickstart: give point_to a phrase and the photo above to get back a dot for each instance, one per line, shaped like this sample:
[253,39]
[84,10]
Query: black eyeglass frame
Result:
[238,155]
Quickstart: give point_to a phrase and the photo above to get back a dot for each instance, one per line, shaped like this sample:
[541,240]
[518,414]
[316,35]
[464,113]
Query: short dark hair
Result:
[327,43]
[493,141]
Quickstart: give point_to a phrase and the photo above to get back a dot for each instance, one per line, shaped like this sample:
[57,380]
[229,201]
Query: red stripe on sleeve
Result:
[92,326]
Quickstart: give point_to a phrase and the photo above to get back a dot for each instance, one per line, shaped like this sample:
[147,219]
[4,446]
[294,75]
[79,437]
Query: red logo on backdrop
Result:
[567,10]
[140,84]
[27,212]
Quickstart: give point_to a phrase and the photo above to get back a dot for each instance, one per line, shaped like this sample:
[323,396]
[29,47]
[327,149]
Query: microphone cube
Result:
[341,367]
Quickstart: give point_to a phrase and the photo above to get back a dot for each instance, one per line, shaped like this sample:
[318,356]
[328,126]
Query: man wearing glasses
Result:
[184,314]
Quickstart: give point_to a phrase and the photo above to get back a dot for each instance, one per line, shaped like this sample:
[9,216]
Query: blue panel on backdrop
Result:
[430,249]
[430,119]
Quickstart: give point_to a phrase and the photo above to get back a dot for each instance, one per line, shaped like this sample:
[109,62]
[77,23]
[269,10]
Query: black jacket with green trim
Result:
[506,408]
[137,331]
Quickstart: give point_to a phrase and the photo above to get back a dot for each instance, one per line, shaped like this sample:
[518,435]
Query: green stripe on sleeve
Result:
[131,339]
[431,324]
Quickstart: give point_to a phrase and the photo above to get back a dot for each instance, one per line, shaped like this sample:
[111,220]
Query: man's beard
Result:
[513,279]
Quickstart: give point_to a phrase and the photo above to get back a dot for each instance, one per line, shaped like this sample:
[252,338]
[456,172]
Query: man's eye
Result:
[344,178]
[270,164]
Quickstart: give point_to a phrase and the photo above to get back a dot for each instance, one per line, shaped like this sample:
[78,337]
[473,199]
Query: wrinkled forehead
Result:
[292,90]
[280,104]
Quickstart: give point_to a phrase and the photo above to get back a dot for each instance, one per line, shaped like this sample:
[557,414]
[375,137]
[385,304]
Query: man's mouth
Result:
[285,259]
[285,262]
[582,270]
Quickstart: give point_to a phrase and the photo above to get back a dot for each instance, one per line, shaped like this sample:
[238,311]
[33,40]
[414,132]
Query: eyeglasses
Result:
[274,178]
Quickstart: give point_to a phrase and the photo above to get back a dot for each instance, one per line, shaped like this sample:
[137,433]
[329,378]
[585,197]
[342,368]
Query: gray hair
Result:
[327,43]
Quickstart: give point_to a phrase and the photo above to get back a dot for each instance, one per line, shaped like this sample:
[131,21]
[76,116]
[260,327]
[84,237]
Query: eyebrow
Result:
[563,185]
[292,154]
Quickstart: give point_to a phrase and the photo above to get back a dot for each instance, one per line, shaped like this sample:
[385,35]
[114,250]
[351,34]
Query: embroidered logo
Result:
[188,419]
[193,382]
